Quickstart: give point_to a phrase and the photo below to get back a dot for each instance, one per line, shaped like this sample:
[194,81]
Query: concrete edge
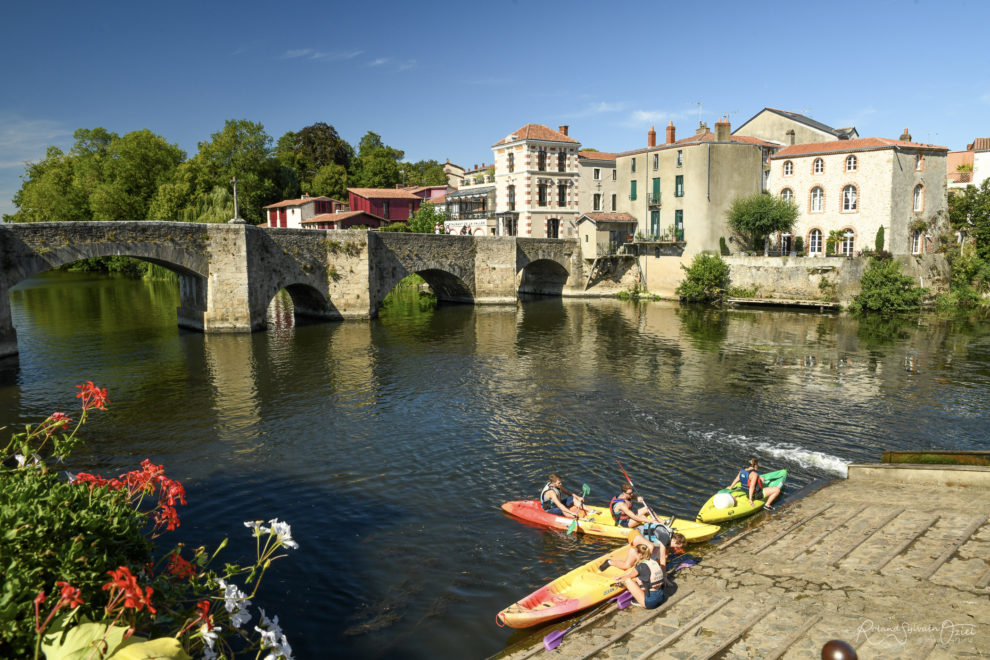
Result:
[975,476]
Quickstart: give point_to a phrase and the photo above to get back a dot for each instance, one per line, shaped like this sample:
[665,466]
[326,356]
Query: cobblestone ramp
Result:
[897,570]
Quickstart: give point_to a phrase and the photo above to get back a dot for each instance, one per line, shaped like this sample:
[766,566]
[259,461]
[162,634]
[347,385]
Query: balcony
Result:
[653,200]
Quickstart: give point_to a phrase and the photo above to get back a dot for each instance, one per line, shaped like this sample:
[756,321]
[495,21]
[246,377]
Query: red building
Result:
[344,220]
[392,204]
[294,212]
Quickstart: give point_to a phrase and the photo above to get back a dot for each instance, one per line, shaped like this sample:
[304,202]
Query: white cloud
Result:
[408,64]
[378,61]
[310,55]
[24,140]
[599,108]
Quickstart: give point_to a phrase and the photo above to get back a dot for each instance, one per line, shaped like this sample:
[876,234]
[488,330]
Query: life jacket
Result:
[545,501]
[656,574]
[617,515]
[744,480]
[656,533]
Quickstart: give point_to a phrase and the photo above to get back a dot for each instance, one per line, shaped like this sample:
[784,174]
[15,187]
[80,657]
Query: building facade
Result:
[597,182]
[391,204]
[292,213]
[849,189]
[786,128]
[536,183]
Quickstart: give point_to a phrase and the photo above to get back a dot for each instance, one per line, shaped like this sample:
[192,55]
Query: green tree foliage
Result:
[760,215]
[426,218]
[424,173]
[49,192]
[706,280]
[330,180]
[377,164]
[885,289]
[311,150]
[878,243]
[969,211]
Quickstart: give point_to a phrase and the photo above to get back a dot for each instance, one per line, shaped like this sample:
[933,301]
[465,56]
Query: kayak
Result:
[579,589]
[739,507]
[572,592]
[599,522]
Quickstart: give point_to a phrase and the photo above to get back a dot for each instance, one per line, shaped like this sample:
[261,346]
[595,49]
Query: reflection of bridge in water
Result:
[228,274]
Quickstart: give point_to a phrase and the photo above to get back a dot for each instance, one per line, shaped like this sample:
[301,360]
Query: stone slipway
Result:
[894,560]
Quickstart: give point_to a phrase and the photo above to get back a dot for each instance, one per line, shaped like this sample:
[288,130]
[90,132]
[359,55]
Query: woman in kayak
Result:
[552,499]
[626,508]
[658,538]
[645,580]
[750,479]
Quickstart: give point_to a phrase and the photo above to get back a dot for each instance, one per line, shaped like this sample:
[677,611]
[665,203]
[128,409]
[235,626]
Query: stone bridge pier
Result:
[229,274]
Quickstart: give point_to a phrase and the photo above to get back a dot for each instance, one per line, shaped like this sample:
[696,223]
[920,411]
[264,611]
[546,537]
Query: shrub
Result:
[706,280]
[878,243]
[722,247]
[886,289]
[799,245]
[397,226]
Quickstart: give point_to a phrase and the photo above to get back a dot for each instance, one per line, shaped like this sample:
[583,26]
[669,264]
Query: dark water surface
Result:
[389,445]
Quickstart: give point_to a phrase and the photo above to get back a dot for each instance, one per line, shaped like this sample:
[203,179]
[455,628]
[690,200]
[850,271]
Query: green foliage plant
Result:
[706,279]
[722,247]
[799,245]
[760,215]
[425,219]
[832,242]
[878,243]
[397,226]
[969,211]
[885,289]
[828,289]
[81,577]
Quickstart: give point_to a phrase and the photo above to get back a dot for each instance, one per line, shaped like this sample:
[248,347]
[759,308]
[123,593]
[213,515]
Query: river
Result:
[389,445]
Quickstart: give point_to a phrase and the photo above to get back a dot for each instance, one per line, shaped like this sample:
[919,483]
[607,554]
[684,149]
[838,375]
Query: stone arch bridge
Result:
[228,274]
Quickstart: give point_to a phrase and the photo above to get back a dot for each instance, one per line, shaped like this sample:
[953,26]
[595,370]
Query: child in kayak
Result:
[645,580]
[751,481]
[626,508]
[553,501]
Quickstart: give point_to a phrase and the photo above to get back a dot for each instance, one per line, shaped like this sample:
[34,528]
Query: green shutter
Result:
[632,190]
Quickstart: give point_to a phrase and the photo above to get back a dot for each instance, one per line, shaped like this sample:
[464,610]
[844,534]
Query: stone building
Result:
[536,183]
[787,128]
[597,191]
[855,187]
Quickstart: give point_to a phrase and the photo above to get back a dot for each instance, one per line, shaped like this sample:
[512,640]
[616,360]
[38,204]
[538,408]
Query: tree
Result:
[705,280]
[425,220]
[49,192]
[885,289]
[330,180]
[135,166]
[424,173]
[312,149]
[969,211]
[760,215]
[377,164]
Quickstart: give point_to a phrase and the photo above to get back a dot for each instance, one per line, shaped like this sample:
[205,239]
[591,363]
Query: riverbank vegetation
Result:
[84,576]
[885,289]
[705,280]
[758,216]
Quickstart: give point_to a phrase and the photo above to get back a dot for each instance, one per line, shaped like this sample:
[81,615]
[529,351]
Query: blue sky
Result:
[448,79]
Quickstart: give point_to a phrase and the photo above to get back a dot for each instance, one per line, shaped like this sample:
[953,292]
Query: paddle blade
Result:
[552,641]
[585,490]
[624,600]
[572,527]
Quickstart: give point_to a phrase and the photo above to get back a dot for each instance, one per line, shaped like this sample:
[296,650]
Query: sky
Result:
[446,80]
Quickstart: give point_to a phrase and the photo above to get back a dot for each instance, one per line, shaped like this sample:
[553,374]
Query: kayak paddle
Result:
[648,509]
[552,641]
[585,490]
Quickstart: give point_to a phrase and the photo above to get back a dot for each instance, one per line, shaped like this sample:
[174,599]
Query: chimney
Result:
[790,136]
[563,129]
[670,133]
[305,196]
[722,130]
[905,136]
[702,128]
[651,138]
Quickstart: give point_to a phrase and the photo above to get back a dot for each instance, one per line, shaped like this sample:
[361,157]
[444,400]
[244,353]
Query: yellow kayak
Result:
[599,522]
[719,508]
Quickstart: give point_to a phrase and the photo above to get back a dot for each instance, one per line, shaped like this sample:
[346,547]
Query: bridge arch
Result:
[545,277]
[308,302]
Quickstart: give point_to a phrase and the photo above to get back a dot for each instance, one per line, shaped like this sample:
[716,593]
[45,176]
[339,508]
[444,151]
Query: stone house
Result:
[536,183]
[597,192]
[292,213]
[787,128]
[857,186]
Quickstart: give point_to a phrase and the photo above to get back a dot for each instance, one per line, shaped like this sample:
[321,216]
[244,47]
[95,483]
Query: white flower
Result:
[282,531]
[273,638]
[71,477]
[209,639]
[21,460]
[252,525]
[236,603]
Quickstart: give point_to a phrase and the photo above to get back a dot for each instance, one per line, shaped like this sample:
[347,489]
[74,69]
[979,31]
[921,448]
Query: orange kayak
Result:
[599,522]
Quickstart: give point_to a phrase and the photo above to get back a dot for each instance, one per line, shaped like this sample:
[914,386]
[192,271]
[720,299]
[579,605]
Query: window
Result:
[787,195]
[541,194]
[656,161]
[815,241]
[561,194]
[916,241]
[632,165]
[632,190]
[848,240]
[613,202]
[561,162]
[817,200]
[385,209]
[511,190]
[512,162]
[598,202]
[597,174]
[919,162]
[919,198]
[679,185]
[819,166]
[541,160]
[679,225]
[614,172]
[849,198]
[655,224]
[851,164]
[680,157]
[553,228]
[788,168]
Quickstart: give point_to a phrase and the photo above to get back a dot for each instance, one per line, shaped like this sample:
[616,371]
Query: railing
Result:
[653,199]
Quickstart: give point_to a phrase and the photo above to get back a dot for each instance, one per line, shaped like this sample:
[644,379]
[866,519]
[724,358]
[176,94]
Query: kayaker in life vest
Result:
[559,501]
[659,538]
[626,508]
[751,480]
[645,580]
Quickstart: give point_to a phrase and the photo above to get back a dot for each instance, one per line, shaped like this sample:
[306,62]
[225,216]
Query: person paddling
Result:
[626,507]
[752,482]
[559,501]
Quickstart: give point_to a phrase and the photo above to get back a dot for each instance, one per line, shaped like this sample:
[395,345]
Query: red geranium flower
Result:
[134,596]
[92,396]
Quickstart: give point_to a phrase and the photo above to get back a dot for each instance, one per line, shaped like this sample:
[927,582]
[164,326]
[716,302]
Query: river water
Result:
[388,445]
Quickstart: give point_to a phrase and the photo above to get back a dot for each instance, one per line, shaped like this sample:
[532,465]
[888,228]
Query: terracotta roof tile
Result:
[536,132]
[859,144]
[596,155]
[383,193]
[301,201]
[609,217]
[980,144]
[333,217]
